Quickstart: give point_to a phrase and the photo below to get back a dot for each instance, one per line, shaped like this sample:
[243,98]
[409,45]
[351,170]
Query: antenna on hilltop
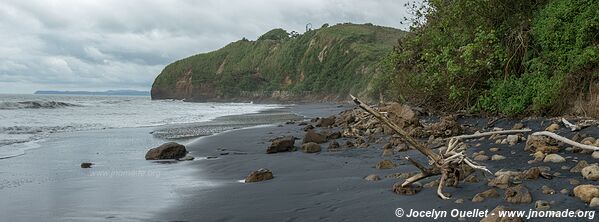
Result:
[308,27]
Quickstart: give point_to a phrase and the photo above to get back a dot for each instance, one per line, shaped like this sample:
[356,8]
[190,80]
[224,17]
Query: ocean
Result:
[26,120]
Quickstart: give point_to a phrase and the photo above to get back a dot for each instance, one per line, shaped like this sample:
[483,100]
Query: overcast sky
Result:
[124,44]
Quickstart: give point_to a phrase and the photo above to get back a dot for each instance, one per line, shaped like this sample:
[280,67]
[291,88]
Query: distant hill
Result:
[323,64]
[102,93]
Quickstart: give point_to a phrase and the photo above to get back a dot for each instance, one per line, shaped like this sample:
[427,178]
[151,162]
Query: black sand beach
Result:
[330,186]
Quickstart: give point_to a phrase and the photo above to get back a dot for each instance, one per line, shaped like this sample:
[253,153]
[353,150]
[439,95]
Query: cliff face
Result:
[325,64]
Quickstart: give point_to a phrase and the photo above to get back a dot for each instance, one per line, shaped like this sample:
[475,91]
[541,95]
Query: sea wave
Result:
[35,105]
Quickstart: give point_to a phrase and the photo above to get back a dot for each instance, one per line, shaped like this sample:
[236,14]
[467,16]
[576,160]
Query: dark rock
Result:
[518,194]
[333,135]
[282,144]
[310,147]
[326,122]
[334,145]
[165,151]
[259,175]
[412,189]
[385,164]
[480,197]
[586,192]
[313,136]
[86,165]
[308,127]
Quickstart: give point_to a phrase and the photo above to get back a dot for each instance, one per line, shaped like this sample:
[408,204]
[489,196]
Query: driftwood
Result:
[447,163]
[566,140]
[570,125]
[476,135]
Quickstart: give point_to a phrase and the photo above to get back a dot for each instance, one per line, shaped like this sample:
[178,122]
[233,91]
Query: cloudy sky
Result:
[124,44]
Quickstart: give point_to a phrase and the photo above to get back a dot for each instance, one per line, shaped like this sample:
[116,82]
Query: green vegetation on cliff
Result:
[507,56]
[330,61]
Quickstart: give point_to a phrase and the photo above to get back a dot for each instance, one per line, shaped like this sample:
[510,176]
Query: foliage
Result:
[503,56]
[334,60]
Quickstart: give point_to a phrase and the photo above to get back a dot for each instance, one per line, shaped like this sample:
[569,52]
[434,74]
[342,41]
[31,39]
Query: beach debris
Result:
[586,192]
[86,165]
[565,140]
[259,175]
[570,125]
[170,150]
[372,177]
[590,172]
[313,136]
[448,163]
[494,216]
[310,147]
[480,197]
[518,194]
[554,158]
[385,164]
[281,144]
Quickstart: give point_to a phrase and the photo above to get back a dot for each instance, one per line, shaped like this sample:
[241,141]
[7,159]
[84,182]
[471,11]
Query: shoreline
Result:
[121,185]
[330,185]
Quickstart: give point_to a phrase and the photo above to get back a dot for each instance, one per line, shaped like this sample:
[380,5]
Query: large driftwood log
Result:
[566,140]
[448,164]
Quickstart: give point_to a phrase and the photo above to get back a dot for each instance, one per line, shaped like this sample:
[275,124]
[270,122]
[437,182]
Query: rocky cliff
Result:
[324,64]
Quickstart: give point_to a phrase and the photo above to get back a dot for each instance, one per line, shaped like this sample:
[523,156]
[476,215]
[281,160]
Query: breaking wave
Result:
[35,105]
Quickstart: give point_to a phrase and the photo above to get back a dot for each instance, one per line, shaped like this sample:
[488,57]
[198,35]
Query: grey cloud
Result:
[108,44]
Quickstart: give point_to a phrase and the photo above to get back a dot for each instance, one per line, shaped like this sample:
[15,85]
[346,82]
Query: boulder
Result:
[542,205]
[531,174]
[481,157]
[497,157]
[333,135]
[542,144]
[313,136]
[282,144]
[554,158]
[259,175]
[493,216]
[518,194]
[594,202]
[372,177]
[502,181]
[595,155]
[385,164]
[579,166]
[547,190]
[552,128]
[310,147]
[334,145]
[86,165]
[512,139]
[586,192]
[166,151]
[480,197]
[412,189]
[326,122]
[590,172]
[387,152]
[518,126]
